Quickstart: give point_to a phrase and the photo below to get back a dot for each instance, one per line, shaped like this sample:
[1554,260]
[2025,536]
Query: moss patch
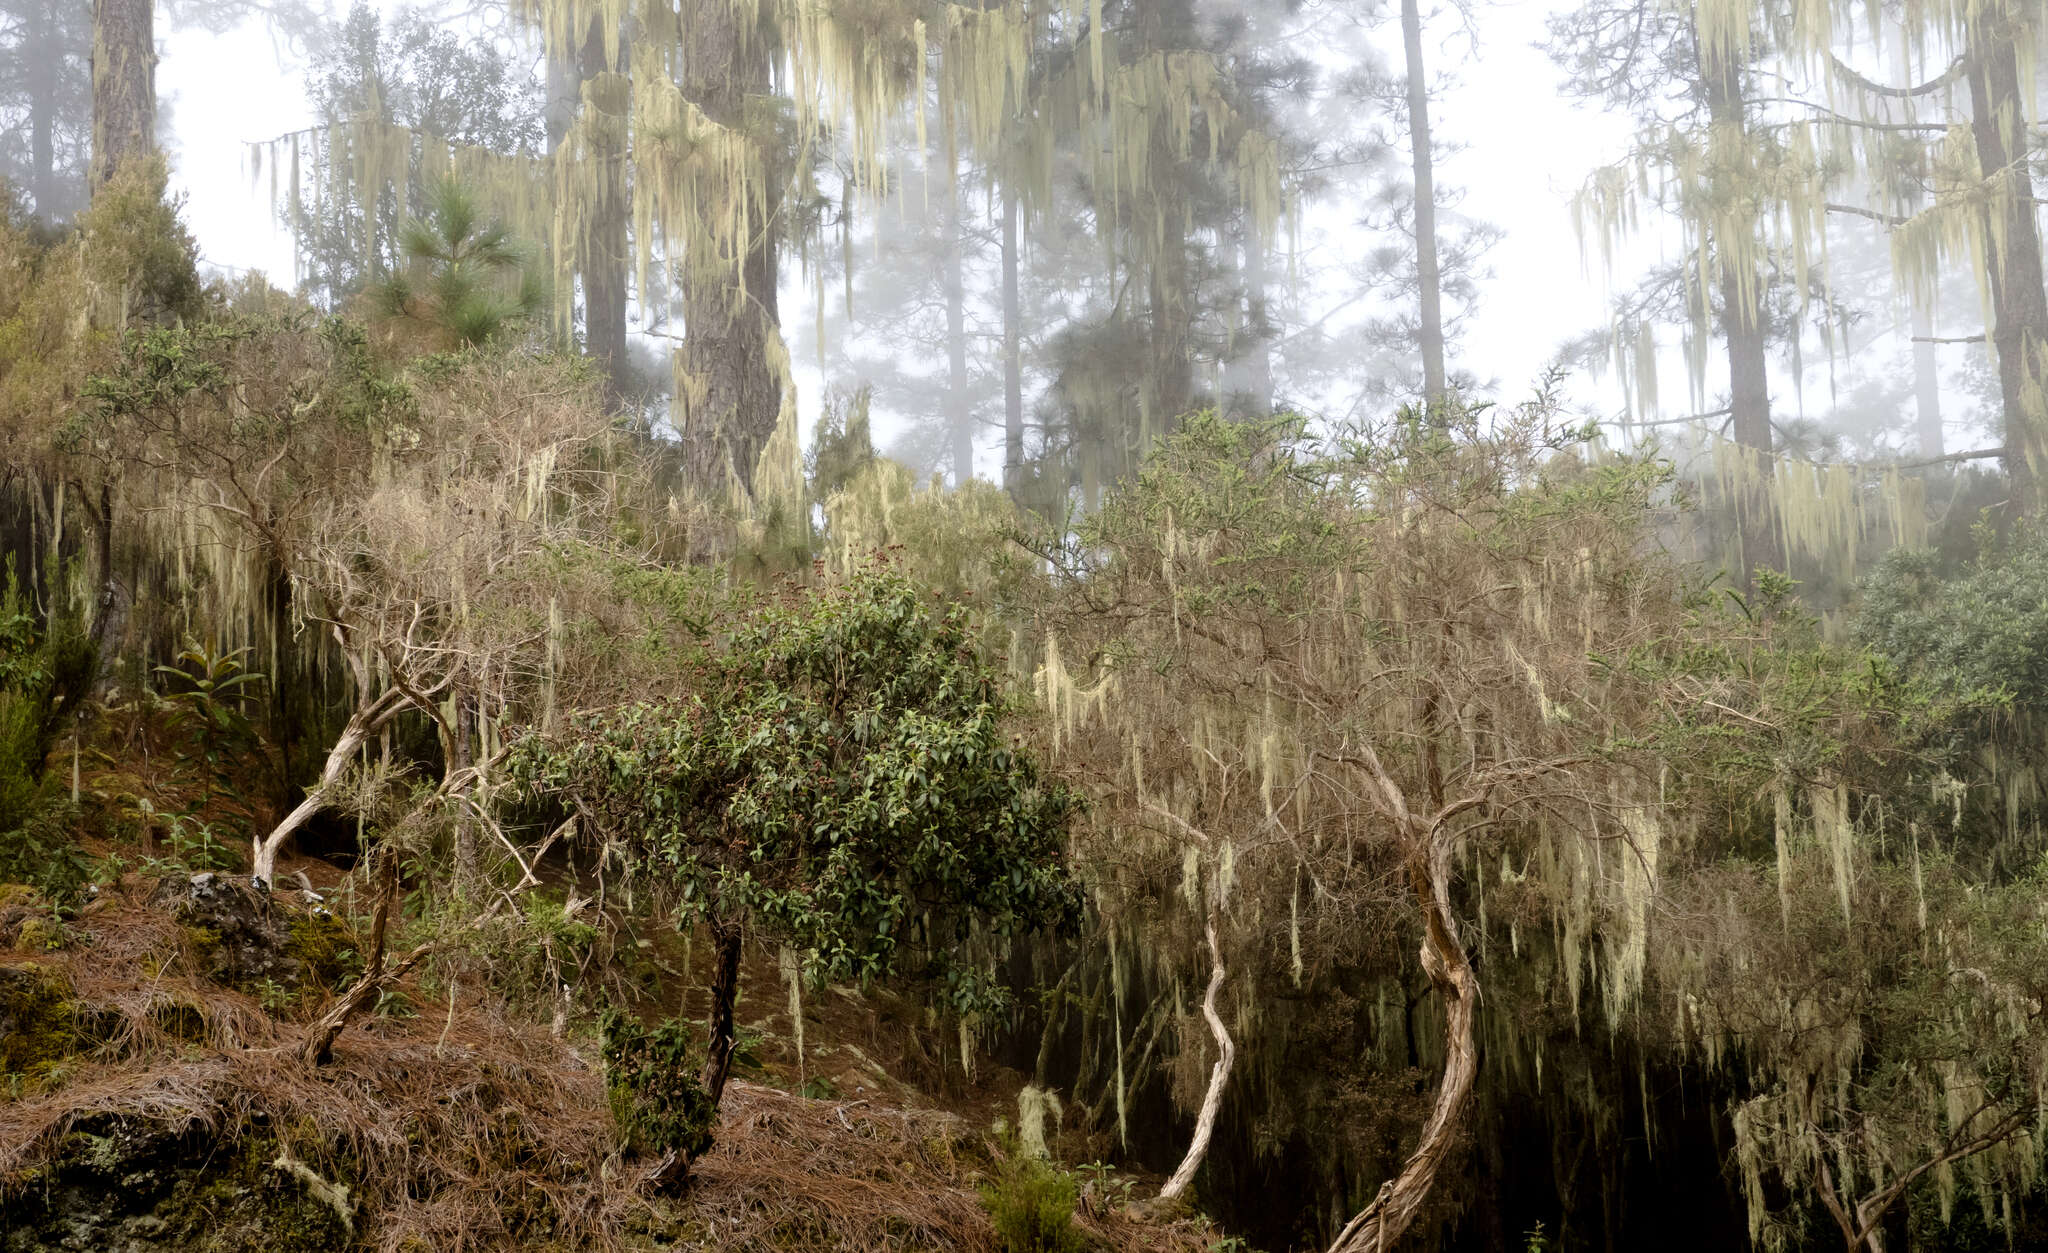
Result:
[326,948]
[37,1027]
[131,1184]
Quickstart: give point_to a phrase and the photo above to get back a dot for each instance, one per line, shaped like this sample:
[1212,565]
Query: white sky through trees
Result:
[1519,151]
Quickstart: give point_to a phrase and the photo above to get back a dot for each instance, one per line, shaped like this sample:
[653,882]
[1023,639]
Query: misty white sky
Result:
[1525,150]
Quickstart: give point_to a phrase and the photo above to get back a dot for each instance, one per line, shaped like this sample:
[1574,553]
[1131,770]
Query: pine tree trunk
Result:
[41,77]
[608,91]
[564,87]
[1169,389]
[959,422]
[725,987]
[1428,278]
[1172,390]
[1744,331]
[1259,356]
[2012,255]
[1749,397]
[43,154]
[123,84]
[736,393]
[1013,363]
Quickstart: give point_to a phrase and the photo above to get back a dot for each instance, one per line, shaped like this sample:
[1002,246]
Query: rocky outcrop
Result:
[238,935]
[126,1184]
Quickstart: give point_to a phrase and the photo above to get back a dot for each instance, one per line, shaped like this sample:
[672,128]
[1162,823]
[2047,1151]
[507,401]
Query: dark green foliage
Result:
[137,244]
[842,778]
[1981,632]
[210,711]
[1031,1205]
[1976,639]
[841,444]
[658,1106]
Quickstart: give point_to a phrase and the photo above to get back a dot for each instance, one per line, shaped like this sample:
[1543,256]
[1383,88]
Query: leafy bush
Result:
[470,281]
[1979,631]
[1032,1206]
[658,1106]
[843,779]
[190,845]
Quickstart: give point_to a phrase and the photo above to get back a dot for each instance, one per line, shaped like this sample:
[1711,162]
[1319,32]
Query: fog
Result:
[1514,155]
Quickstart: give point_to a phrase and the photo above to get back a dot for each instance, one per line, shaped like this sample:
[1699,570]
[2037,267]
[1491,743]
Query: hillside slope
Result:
[156,1099]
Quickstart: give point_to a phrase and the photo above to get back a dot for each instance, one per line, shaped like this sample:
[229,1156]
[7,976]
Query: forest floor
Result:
[154,1098]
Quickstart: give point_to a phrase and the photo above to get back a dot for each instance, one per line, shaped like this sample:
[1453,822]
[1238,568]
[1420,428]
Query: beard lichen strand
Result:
[1829,514]
[1835,832]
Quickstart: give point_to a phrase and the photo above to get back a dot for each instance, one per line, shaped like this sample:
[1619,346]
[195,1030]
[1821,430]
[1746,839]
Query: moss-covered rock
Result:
[28,922]
[37,1025]
[134,1185]
[241,936]
[325,947]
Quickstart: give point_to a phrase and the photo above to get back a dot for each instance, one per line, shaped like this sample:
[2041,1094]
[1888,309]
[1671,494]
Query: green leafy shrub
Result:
[1031,1204]
[192,845]
[1981,631]
[843,780]
[205,691]
[658,1106]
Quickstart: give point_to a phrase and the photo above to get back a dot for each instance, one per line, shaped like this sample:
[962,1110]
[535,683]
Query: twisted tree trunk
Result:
[1450,973]
[1219,1074]
[370,716]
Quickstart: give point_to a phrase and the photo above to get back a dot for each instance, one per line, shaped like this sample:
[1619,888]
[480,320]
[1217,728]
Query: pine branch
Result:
[1872,214]
[1948,77]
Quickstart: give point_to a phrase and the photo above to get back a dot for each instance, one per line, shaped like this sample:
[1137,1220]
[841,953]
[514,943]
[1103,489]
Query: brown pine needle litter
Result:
[481,1131]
